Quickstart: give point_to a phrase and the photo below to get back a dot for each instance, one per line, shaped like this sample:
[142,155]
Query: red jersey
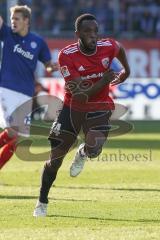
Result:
[74,63]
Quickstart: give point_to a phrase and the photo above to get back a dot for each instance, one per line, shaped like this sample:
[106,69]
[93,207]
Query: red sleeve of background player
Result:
[68,70]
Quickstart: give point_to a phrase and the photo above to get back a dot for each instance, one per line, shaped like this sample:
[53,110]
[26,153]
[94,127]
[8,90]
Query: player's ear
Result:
[27,21]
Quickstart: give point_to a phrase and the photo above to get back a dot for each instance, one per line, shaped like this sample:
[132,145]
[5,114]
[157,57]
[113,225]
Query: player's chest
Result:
[23,48]
[91,65]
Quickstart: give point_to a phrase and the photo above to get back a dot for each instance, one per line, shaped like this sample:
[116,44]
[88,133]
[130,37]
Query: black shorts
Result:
[71,122]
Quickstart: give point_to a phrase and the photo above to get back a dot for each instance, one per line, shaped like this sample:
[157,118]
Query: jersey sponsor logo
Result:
[94,75]
[33,45]
[25,54]
[65,71]
[105,62]
[81,68]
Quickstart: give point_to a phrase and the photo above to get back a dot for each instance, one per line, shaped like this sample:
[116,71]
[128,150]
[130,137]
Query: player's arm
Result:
[82,90]
[125,72]
[1,22]
[45,58]
[51,67]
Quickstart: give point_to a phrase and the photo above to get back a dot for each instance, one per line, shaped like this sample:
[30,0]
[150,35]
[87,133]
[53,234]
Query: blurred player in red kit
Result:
[85,66]
[21,52]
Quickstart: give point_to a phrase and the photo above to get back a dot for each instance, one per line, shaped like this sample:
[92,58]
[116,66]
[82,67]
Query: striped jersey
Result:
[74,64]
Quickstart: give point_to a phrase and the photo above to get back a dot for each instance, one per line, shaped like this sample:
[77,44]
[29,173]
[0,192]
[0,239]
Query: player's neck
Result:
[86,51]
[23,32]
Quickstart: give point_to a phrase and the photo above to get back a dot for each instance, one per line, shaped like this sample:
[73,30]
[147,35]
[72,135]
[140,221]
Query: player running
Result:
[21,51]
[85,66]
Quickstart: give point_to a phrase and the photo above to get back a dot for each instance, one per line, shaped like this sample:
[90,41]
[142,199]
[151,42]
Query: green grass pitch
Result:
[116,197]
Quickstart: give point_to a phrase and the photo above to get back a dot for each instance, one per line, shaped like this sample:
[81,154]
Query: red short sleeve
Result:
[68,70]
[116,47]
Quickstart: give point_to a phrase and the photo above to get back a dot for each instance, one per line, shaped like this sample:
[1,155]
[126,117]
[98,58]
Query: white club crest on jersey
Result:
[65,71]
[33,45]
[81,68]
[105,62]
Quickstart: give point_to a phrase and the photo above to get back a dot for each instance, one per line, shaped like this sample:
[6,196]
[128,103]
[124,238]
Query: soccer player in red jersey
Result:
[85,66]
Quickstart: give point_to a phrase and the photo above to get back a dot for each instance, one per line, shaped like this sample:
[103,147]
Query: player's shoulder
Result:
[35,36]
[69,50]
[106,42]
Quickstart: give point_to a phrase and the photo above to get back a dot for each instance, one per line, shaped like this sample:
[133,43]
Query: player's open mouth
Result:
[14,27]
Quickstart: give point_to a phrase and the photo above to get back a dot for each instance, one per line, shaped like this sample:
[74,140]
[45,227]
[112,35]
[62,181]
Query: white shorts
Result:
[15,111]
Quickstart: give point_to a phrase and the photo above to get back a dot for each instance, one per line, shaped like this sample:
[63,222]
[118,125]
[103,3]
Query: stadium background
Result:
[136,24]
[116,197]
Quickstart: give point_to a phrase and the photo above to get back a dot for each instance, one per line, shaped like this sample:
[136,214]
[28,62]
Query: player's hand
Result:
[120,77]
[109,76]
[52,67]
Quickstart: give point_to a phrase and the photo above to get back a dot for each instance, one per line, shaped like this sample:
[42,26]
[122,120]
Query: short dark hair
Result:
[81,18]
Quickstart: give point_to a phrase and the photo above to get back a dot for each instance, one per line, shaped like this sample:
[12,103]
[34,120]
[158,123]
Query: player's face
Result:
[88,35]
[19,24]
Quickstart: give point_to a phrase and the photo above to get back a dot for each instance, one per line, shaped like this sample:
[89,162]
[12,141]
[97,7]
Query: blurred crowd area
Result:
[127,18]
